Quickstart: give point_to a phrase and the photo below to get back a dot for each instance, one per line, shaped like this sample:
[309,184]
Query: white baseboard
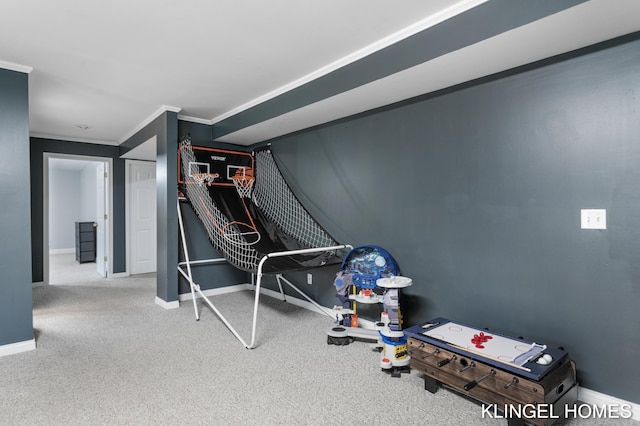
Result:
[293,300]
[15,348]
[600,399]
[243,287]
[120,275]
[215,291]
[71,250]
[167,305]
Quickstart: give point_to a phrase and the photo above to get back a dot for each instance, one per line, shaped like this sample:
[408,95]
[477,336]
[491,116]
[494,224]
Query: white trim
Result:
[144,123]
[244,287]
[293,300]
[600,399]
[171,108]
[62,251]
[16,67]
[195,119]
[430,21]
[362,323]
[72,139]
[16,348]
[167,305]
[216,291]
[119,275]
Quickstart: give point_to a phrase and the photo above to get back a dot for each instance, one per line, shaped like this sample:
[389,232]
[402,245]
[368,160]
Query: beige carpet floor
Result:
[108,355]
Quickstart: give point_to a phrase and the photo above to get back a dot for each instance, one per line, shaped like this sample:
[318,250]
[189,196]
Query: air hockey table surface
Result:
[493,368]
[516,355]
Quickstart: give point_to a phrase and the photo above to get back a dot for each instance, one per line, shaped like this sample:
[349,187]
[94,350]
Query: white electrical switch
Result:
[593,219]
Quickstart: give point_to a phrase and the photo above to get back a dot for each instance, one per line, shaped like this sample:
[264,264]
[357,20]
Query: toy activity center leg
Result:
[394,357]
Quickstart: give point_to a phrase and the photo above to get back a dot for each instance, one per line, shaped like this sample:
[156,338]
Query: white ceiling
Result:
[114,66]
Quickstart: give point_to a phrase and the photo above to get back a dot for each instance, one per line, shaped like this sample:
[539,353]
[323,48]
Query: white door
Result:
[102,219]
[143,217]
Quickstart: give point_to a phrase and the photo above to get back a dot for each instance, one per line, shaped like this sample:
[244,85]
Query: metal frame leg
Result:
[256,281]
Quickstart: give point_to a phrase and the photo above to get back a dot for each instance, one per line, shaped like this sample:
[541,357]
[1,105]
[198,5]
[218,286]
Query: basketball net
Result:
[244,185]
[274,198]
[205,178]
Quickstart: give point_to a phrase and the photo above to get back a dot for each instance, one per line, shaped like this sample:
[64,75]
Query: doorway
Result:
[141,219]
[77,190]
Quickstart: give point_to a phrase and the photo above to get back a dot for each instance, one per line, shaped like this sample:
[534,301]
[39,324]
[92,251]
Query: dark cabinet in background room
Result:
[85,242]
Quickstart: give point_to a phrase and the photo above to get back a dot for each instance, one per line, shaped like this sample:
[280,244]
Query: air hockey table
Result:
[495,369]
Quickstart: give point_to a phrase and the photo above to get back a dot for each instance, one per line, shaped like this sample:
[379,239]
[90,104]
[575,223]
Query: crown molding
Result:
[195,119]
[144,123]
[16,67]
[71,139]
[453,10]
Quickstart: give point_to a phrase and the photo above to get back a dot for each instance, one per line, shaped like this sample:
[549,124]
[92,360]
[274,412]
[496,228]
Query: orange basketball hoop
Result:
[243,181]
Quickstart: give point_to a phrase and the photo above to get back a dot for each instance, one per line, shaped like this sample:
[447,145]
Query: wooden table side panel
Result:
[561,379]
[482,395]
[525,391]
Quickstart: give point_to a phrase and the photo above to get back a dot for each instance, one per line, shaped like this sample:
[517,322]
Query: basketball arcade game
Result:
[259,228]
[494,369]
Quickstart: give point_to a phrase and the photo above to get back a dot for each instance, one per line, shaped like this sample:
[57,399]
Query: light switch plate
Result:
[593,219]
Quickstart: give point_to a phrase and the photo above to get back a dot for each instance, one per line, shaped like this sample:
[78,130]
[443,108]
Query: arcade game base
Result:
[511,374]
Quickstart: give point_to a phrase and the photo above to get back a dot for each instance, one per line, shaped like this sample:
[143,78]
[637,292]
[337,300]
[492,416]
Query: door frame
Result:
[45,207]
[127,191]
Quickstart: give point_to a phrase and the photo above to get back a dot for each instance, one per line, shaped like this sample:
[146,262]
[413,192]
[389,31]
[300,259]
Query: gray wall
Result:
[476,191]
[88,194]
[16,319]
[64,207]
[72,198]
